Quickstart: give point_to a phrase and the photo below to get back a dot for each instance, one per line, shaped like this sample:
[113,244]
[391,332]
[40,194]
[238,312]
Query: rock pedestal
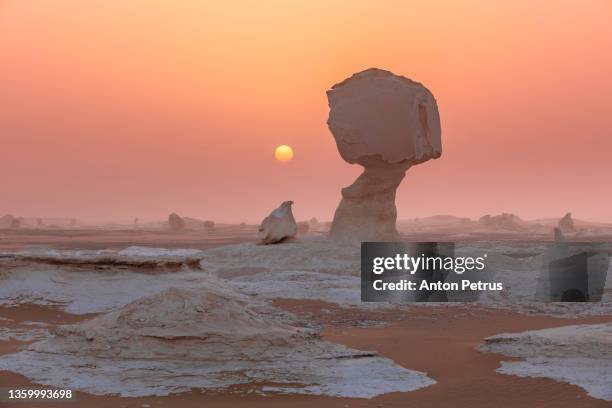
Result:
[367,210]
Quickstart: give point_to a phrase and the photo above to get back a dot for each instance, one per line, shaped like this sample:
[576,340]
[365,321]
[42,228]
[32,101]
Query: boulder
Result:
[279,225]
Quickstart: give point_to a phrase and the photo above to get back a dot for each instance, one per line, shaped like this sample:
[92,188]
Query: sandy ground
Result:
[440,341]
[91,238]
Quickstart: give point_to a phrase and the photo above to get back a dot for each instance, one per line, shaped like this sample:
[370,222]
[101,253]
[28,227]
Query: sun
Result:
[283,153]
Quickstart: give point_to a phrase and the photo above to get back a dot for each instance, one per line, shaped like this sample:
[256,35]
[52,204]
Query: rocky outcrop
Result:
[504,221]
[176,222]
[279,225]
[17,222]
[579,355]
[6,221]
[386,123]
[558,235]
[566,224]
[208,338]
[209,226]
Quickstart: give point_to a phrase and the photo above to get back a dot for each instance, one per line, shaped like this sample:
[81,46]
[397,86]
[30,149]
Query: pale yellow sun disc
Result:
[283,153]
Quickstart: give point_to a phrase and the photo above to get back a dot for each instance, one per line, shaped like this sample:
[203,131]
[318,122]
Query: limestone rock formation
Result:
[279,225]
[6,221]
[386,123]
[504,221]
[176,222]
[579,355]
[558,235]
[566,224]
[209,226]
[208,338]
[17,222]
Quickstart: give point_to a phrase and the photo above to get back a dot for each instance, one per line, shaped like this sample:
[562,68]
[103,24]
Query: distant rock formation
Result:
[209,226]
[303,227]
[6,221]
[558,235]
[40,222]
[73,222]
[279,225]
[176,222]
[17,222]
[386,123]
[136,221]
[314,222]
[503,221]
[566,224]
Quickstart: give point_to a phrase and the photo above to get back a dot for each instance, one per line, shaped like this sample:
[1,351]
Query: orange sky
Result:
[112,109]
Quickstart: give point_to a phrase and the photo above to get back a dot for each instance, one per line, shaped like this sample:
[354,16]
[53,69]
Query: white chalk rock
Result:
[386,123]
[579,355]
[207,338]
[279,225]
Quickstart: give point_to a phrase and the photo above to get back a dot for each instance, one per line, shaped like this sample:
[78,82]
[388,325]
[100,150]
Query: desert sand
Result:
[311,282]
[439,341]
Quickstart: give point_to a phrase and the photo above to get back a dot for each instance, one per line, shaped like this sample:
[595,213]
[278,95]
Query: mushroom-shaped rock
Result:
[279,225]
[566,224]
[386,123]
[176,222]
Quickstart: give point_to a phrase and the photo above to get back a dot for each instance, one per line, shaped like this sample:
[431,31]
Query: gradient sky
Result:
[112,109]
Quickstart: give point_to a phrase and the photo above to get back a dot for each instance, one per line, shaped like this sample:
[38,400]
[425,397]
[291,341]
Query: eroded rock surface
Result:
[580,355]
[279,225]
[209,338]
[386,123]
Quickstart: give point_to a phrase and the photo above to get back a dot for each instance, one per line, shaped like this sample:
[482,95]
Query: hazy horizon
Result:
[115,110]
